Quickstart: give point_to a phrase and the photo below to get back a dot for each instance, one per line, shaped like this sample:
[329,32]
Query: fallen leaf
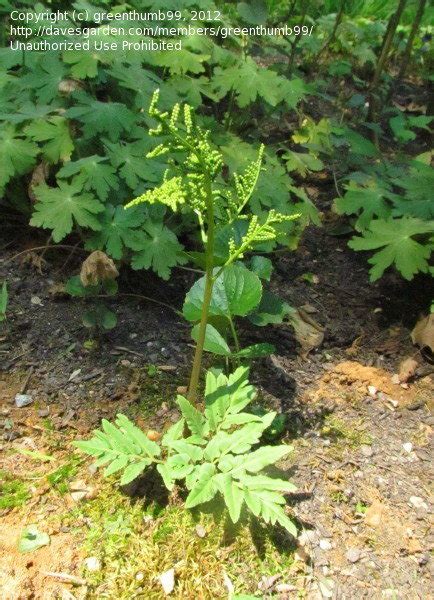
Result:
[96,268]
[374,513]
[167,580]
[308,333]
[32,539]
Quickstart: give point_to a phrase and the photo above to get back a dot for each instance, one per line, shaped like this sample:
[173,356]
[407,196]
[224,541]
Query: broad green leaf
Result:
[248,80]
[46,77]
[255,351]
[194,418]
[302,163]
[180,62]
[237,291]
[214,341]
[271,309]
[416,199]
[55,134]
[152,255]
[92,174]
[254,12]
[367,202]
[132,164]
[110,118]
[396,237]
[262,266]
[17,155]
[120,229]
[85,64]
[204,488]
[58,208]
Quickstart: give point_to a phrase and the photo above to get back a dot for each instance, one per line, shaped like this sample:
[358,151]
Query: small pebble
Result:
[408,446]
[353,555]
[22,400]
[92,563]
[325,544]
[366,451]
[418,502]
[372,391]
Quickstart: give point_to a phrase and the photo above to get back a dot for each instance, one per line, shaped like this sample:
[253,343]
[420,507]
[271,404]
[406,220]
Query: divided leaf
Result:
[60,207]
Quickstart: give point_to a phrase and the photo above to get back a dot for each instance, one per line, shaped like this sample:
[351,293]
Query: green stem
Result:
[234,334]
[209,282]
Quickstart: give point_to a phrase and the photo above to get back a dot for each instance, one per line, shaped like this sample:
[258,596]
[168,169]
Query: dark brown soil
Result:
[347,420]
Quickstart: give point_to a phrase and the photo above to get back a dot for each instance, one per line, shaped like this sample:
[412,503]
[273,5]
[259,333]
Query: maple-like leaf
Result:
[55,134]
[161,250]
[17,156]
[111,118]
[179,62]
[44,79]
[57,208]
[366,202]
[248,80]
[92,174]
[120,228]
[396,237]
[418,188]
[132,164]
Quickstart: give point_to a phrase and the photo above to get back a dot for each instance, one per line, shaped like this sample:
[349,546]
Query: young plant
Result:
[97,278]
[3,301]
[214,452]
[194,182]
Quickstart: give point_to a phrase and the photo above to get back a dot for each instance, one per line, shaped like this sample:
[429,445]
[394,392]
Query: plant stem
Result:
[409,47]
[234,334]
[209,282]
[381,64]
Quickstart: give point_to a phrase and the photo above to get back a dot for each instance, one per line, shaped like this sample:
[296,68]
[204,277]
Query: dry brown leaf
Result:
[39,175]
[97,268]
[423,333]
[308,333]
[407,369]
[153,435]
[67,86]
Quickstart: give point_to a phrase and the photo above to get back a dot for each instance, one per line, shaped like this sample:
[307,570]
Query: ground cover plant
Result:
[212,262]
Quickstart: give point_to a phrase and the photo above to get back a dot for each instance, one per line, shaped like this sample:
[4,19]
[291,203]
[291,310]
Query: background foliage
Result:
[73,129]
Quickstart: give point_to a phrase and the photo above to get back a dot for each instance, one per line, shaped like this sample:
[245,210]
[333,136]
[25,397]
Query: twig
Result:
[336,184]
[66,577]
[62,246]
[141,297]
[26,382]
